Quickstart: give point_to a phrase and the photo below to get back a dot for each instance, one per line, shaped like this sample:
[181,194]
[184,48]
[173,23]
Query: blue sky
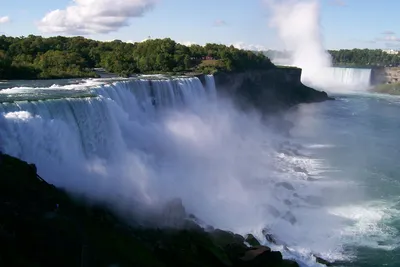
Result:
[344,23]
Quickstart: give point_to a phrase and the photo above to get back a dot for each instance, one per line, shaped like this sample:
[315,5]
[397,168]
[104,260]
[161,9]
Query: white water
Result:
[334,79]
[340,79]
[142,142]
[352,77]
[298,26]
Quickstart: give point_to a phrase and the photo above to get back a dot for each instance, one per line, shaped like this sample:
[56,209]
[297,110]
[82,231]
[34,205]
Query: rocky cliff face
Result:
[270,90]
[385,75]
[41,225]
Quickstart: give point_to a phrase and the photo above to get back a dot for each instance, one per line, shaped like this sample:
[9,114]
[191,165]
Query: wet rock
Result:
[33,167]
[33,233]
[239,238]
[252,240]
[224,237]
[253,253]
[261,257]
[270,238]
[323,261]
[286,185]
[289,263]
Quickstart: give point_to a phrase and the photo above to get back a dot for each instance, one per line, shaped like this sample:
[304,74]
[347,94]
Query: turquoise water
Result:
[359,137]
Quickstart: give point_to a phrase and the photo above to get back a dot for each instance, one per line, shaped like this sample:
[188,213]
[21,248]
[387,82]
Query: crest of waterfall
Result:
[90,120]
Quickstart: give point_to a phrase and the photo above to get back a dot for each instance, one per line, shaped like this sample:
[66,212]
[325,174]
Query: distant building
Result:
[391,51]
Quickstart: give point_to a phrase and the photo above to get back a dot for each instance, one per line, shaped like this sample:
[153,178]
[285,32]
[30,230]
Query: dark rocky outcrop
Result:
[268,90]
[323,261]
[41,225]
[252,241]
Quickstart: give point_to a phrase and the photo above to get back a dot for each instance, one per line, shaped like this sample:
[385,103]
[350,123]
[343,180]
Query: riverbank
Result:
[42,225]
[391,89]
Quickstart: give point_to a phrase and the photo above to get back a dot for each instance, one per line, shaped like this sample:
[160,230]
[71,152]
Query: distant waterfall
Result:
[351,76]
[337,79]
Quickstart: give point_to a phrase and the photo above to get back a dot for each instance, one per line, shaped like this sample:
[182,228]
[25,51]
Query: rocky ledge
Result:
[42,225]
[270,91]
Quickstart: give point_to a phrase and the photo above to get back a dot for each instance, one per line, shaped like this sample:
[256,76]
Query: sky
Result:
[243,23]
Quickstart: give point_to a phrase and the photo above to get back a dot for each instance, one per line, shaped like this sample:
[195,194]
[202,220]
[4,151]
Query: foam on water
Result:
[367,225]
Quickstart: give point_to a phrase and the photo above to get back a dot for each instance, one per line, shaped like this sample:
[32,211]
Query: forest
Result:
[36,57]
[364,58]
[351,57]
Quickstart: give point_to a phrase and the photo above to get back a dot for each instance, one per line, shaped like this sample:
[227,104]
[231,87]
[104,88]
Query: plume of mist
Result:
[298,26]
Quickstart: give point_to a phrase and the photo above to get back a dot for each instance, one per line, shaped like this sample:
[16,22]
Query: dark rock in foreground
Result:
[41,225]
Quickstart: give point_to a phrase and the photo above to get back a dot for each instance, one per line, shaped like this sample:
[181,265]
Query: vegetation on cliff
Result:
[62,57]
[41,225]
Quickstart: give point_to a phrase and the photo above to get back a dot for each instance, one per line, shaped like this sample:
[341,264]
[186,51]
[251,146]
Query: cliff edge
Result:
[268,90]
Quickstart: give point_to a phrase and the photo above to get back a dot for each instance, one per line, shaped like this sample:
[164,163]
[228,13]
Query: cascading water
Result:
[139,142]
[353,77]
[339,79]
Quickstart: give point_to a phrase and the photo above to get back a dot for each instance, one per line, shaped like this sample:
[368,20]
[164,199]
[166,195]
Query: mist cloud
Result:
[297,23]
[94,16]
[298,26]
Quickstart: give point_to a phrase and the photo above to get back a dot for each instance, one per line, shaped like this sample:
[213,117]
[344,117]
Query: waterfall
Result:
[337,79]
[355,77]
[59,133]
[137,143]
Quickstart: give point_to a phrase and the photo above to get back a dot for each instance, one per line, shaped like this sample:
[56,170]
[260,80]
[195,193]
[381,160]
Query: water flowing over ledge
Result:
[137,144]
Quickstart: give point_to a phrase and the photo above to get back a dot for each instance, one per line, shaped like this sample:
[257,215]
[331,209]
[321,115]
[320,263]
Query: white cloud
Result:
[388,38]
[4,20]
[94,16]
[253,47]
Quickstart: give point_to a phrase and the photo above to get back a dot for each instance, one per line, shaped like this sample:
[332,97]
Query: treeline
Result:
[364,58]
[62,57]
[351,57]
